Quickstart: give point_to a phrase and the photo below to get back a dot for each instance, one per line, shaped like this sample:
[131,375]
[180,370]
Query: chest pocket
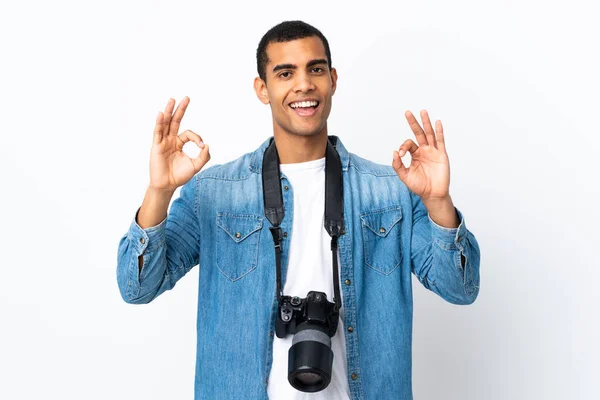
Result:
[237,244]
[381,239]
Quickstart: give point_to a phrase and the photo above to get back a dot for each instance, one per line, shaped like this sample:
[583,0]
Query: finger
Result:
[409,146]
[416,128]
[167,116]
[158,128]
[428,128]
[189,136]
[178,116]
[439,131]
[202,158]
[398,166]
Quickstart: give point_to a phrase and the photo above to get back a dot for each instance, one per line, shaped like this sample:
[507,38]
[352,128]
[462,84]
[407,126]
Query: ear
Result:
[260,87]
[334,77]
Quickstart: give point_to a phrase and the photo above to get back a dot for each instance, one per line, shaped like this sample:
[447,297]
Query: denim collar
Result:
[257,157]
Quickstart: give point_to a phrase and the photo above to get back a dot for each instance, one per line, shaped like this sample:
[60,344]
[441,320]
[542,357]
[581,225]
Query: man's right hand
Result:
[170,167]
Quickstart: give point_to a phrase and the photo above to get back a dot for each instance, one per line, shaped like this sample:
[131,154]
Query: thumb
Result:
[202,158]
[398,166]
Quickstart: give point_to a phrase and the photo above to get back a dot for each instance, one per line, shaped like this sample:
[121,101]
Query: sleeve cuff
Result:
[449,238]
[146,239]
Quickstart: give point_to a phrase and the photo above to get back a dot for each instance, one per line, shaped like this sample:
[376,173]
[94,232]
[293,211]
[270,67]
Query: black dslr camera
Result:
[313,321]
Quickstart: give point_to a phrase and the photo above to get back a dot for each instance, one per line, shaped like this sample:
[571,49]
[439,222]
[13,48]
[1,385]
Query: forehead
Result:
[297,52]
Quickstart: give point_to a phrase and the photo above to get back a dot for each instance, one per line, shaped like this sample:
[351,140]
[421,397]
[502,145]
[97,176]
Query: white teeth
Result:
[304,104]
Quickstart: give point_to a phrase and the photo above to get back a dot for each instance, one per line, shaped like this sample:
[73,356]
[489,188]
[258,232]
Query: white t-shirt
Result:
[309,268]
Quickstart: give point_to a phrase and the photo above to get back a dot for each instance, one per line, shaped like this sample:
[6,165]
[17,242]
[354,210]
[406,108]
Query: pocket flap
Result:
[239,227]
[382,221]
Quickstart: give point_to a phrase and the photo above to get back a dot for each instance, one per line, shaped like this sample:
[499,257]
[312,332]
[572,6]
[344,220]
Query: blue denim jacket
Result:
[218,223]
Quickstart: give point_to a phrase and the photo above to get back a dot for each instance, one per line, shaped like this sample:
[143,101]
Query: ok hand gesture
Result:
[428,175]
[170,167]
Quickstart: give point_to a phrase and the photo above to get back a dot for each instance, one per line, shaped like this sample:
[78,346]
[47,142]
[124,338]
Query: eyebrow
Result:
[292,66]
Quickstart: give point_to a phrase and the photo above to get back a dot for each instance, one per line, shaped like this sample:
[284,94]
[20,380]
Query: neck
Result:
[294,149]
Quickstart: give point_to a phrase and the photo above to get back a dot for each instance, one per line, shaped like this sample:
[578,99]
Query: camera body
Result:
[312,312]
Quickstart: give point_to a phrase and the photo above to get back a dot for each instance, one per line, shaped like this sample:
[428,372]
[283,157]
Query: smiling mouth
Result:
[305,108]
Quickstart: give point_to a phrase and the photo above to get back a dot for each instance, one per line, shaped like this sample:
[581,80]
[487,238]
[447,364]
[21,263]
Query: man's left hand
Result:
[428,175]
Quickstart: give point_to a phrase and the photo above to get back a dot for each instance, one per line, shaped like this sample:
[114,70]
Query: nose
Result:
[303,83]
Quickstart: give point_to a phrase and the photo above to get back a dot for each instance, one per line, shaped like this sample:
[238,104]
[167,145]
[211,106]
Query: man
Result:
[397,221]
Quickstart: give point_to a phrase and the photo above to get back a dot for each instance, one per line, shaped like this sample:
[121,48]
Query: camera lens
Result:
[310,359]
[308,379]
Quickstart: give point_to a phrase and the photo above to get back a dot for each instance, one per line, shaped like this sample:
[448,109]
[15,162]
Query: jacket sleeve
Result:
[169,249]
[437,253]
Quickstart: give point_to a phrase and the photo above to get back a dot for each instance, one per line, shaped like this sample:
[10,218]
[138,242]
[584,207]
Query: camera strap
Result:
[334,207]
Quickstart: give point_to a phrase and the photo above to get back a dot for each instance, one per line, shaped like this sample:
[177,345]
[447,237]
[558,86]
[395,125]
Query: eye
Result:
[285,74]
[318,69]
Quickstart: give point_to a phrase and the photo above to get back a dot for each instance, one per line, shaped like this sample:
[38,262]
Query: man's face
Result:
[297,72]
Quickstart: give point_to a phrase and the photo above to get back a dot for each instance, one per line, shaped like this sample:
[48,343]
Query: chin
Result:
[307,131]
[301,129]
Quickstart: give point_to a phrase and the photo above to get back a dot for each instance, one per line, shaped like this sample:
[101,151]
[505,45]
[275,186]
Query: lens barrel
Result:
[310,359]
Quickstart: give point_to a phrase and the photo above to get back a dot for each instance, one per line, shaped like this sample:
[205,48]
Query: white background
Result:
[515,84]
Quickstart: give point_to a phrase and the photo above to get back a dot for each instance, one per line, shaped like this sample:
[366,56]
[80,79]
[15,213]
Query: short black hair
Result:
[286,32]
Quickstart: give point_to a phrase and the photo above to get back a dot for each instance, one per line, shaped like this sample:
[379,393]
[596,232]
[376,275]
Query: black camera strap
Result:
[334,207]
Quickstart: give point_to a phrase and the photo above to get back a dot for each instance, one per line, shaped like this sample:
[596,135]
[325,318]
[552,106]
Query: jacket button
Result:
[142,240]
[286,188]
[238,235]
[354,377]
[350,329]
[347,281]
[285,234]
[271,334]
[382,230]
